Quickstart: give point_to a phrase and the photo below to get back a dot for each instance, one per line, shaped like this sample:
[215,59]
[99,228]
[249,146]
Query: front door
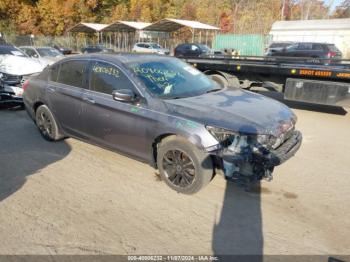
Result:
[114,124]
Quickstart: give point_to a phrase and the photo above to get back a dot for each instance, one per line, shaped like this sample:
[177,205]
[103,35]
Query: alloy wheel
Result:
[179,168]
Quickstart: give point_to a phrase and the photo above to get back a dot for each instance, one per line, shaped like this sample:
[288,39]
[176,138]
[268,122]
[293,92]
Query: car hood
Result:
[236,110]
[17,65]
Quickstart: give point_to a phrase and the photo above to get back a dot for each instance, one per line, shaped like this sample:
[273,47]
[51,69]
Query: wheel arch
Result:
[193,139]
[37,104]
[155,144]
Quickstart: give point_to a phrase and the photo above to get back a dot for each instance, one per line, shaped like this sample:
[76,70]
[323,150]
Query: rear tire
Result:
[182,166]
[47,124]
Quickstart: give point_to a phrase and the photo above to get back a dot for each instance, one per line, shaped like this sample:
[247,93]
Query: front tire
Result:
[46,124]
[182,166]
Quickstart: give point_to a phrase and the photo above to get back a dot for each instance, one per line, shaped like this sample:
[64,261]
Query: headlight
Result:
[230,138]
[222,135]
[267,141]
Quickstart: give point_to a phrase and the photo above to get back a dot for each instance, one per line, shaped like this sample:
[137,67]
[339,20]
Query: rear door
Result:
[114,124]
[65,92]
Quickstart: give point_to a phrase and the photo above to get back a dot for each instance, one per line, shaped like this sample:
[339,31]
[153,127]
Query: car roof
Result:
[35,47]
[146,43]
[118,57]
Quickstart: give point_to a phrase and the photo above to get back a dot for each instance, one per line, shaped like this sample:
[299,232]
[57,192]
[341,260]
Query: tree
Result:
[343,10]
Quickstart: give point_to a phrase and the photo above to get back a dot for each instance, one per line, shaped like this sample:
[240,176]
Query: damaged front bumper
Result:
[11,91]
[8,100]
[253,164]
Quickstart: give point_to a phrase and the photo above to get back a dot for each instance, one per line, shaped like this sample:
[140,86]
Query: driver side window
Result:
[106,78]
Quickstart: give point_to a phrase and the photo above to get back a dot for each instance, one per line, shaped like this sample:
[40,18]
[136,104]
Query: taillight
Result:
[331,54]
[25,85]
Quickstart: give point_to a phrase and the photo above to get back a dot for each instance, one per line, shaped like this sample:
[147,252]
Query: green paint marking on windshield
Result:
[161,77]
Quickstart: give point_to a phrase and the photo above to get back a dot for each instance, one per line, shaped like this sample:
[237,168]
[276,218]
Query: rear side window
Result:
[72,73]
[105,78]
[54,73]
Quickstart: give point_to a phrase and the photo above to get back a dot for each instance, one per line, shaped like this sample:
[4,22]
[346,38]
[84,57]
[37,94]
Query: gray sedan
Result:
[163,111]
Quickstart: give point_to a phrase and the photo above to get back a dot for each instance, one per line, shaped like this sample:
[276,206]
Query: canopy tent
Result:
[170,25]
[87,28]
[123,34]
[173,25]
[126,26]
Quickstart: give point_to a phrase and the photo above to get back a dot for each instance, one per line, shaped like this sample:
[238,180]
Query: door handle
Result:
[89,100]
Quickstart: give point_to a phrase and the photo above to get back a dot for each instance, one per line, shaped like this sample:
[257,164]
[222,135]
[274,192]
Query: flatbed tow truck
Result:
[318,81]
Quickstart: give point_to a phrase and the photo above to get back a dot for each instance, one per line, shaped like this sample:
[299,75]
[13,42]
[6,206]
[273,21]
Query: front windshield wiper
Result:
[213,90]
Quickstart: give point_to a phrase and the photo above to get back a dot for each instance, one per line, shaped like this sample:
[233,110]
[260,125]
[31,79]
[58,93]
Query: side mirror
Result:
[124,95]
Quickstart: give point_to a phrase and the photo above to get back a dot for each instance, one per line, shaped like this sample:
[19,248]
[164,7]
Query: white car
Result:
[44,55]
[15,68]
[152,48]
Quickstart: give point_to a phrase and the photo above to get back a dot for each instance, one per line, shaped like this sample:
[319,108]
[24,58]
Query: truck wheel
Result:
[222,81]
[47,124]
[182,166]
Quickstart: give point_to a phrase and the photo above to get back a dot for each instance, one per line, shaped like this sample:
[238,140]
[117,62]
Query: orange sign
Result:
[307,72]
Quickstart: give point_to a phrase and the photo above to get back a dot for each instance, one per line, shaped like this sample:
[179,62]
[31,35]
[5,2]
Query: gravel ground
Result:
[74,198]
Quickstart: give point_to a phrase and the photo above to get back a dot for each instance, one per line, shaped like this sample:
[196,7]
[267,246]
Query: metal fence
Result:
[116,41]
[75,43]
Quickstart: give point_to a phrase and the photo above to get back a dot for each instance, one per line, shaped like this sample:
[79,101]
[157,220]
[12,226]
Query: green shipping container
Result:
[246,45]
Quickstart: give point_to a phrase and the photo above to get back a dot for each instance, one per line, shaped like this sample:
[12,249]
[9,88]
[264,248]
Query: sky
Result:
[334,4]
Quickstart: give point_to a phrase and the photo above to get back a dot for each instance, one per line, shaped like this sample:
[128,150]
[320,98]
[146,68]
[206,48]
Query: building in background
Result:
[333,31]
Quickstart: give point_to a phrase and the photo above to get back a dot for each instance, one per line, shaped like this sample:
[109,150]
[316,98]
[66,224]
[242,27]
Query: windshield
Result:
[277,45]
[171,78]
[333,48]
[48,52]
[204,47]
[10,50]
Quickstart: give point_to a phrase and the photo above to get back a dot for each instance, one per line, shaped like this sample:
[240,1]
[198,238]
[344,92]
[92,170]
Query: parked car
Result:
[322,51]
[161,110]
[153,48]
[44,55]
[15,68]
[63,50]
[192,50]
[276,47]
[96,49]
